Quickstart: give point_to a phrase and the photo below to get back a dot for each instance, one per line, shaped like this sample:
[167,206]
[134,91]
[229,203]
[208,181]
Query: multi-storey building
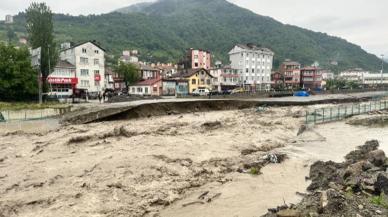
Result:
[196,78]
[8,19]
[89,61]
[311,77]
[254,65]
[290,73]
[196,59]
[355,75]
[63,80]
[225,78]
[129,56]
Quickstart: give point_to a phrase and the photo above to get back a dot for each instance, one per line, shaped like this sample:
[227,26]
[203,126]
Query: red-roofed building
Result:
[149,87]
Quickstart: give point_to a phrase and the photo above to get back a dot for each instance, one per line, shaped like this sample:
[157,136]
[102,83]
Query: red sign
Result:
[97,77]
[58,80]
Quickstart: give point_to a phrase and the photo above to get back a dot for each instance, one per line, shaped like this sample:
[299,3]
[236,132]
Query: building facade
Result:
[150,87]
[63,80]
[355,75]
[8,19]
[196,79]
[196,59]
[129,56]
[254,65]
[290,73]
[89,60]
[225,78]
[311,78]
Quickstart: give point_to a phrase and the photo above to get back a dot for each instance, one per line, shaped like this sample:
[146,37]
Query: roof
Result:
[146,67]
[289,62]
[310,68]
[147,82]
[64,64]
[189,72]
[253,47]
[79,44]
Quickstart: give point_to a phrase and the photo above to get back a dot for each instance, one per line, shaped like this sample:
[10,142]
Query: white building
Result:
[364,77]
[8,19]
[62,80]
[129,56]
[225,78]
[89,61]
[356,74]
[254,65]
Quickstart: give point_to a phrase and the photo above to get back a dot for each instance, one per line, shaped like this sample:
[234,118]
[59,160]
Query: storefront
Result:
[62,87]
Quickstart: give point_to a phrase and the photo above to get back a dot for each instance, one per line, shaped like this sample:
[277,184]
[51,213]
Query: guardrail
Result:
[329,114]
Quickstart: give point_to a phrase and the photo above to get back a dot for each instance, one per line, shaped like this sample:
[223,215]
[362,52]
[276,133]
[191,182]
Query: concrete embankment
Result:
[148,108]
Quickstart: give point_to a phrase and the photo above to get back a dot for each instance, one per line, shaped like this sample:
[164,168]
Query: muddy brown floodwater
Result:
[182,165]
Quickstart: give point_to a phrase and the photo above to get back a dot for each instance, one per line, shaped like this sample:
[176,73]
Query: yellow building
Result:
[197,79]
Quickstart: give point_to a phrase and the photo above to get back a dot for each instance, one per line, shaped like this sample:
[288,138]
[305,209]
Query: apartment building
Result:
[254,64]
[63,79]
[8,19]
[311,77]
[196,59]
[290,73]
[225,78]
[89,61]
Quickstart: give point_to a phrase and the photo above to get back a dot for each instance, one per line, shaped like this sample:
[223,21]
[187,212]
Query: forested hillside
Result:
[163,30]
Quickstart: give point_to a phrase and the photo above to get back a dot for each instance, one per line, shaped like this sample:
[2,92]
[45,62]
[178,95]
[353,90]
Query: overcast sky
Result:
[363,22]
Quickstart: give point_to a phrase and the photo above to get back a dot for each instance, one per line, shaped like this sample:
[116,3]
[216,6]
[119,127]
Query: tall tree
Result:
[129,72]
[40,30]
[11,35]
[18,80]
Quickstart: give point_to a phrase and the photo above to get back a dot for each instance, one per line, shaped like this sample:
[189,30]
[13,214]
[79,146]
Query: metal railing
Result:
[329,114]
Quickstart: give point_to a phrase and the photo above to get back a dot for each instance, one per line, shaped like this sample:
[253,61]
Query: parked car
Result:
[238,90]
[201,92]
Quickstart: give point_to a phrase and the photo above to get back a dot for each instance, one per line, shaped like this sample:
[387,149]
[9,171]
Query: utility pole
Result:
[382,68]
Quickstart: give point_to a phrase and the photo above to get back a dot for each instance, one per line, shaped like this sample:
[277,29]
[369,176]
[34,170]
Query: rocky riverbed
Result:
[356,187]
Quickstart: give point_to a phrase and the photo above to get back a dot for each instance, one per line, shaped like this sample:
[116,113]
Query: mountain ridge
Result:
[162,30]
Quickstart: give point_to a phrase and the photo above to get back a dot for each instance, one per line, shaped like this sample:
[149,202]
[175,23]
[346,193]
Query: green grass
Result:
[33,106]
[380,200]
[254,171]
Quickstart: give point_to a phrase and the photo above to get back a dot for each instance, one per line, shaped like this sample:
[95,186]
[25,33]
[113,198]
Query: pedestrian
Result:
[103,96]
[99,96]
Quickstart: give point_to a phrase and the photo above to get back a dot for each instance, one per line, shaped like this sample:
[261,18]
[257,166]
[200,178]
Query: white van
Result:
[201,92]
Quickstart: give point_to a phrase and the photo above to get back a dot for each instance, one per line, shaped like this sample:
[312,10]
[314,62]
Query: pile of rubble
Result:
[356,187]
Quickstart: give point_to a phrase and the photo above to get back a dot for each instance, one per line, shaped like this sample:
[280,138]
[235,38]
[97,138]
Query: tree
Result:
[40,31]
[18,80]
[129,72]
[10,35]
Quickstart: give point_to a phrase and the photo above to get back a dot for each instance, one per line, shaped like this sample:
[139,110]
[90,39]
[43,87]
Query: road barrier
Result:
[28,115]
[337,113]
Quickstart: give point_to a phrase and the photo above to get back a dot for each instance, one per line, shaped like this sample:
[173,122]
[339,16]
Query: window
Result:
[146,90]
[96,72]
[193,81]
[139,90]
[196,64]
[97,83]
[84,72]
[202,81]
[155,89]
[195,56]
[85,83]
[253,70]
[133,90]
[96,62]
[83,50]
[84,60]
[208,82]
[96,51]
